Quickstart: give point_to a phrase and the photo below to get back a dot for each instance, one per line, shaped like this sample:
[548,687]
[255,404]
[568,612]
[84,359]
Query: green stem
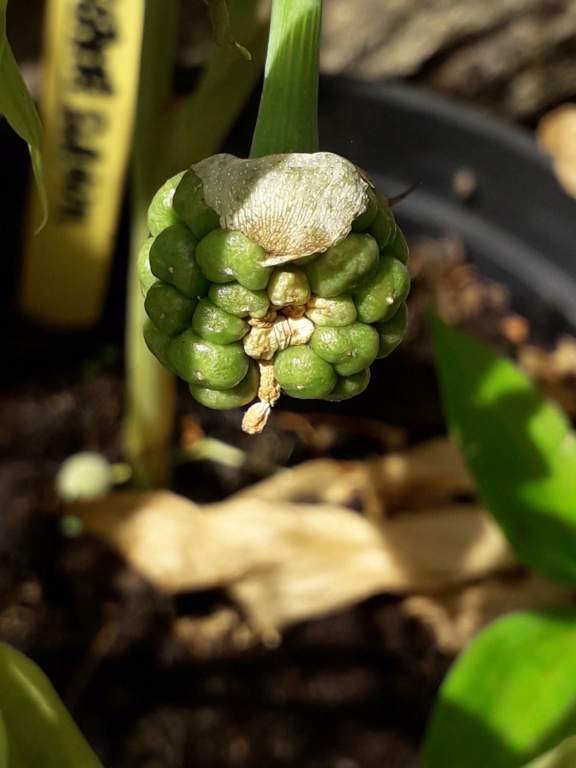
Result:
[288,114]
[167,140]
[149,388]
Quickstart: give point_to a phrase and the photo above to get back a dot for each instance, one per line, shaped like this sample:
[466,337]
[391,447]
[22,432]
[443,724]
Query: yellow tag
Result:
[91,68]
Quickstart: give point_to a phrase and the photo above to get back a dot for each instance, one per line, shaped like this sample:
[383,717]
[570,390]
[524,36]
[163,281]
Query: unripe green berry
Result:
[362,222]
[392,332]
[344,267]
[161,214]
[238,300]
[383,226]
[190,205]
[379,300]
[235,397]
[206,364]
[225,256]
[398,247]
[288,285]
[303,374]
[145,275]
[339,310]
[172,259]
[349,348]
[170,311]
[349,386]
[214,324]
[158,343]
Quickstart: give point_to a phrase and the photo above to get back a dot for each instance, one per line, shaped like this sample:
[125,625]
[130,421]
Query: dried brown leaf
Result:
[285,562]
[455,616]
[556,134]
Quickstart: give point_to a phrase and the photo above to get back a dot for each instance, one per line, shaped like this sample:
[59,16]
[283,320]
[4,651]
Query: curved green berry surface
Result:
[303,374]
[238,300]
[383,226]
[170,311]
[235,397]
[189,204]
[288,285]
[225,256]
[345,267]
[339,310]
[172,260]
[349,348]
[349,386]
[161,214]
[392,332]
[380,299]
[158,343]
[145,276]
[363,221]
[215,324]
[206,364]
[398,247]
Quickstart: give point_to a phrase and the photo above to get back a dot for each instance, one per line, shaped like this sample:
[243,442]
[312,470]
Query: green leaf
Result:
[519,447]
[18,108]
[220,20]
[40,731]
[510,697]
[563,756]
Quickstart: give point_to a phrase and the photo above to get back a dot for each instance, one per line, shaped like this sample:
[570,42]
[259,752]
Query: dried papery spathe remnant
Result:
[292,205]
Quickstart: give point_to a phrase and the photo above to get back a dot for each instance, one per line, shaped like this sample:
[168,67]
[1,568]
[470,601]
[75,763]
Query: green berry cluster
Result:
[218,315]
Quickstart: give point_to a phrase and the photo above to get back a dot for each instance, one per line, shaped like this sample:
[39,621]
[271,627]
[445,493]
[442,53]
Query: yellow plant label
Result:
[91,68]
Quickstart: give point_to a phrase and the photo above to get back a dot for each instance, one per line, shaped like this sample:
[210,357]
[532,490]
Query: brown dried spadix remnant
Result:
[282,273]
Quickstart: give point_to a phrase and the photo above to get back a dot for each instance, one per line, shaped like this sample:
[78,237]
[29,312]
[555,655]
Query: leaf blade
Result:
[510,697]
[519,447]
[20,112]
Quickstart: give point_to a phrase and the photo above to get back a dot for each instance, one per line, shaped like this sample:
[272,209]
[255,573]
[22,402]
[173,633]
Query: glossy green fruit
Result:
[383,226]
[206,364]
[288,285]
[145,275]
[215,324]
[172,259]
[362,222]
[339,310]
[161,214]
[398,247]
[238,300]
[391,332]
[235,397]
[303,374]
[349,386]
[379,300]
[158,343]
[349,348]
[225,256]
[170,311]
[345,267]
[190,205]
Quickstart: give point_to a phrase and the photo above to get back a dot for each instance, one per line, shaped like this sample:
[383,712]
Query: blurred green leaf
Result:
[40,731]
[19,109]
[563,756]
[3,744]
[220,20]
[511,696]
[519,446]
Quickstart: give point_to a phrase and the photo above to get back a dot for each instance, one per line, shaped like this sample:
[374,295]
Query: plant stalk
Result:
[169,138]
[288,115]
